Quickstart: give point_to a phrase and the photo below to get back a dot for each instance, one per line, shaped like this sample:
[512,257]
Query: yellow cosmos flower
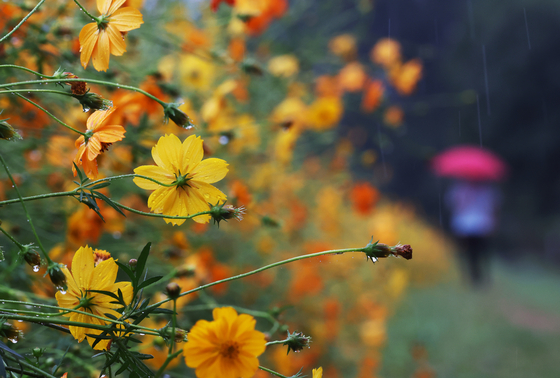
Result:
[227,347]
[100,39]
[180,165]
[86,276]
[318,373]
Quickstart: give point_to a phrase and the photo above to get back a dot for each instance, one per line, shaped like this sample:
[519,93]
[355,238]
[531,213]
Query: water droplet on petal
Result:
[36,268]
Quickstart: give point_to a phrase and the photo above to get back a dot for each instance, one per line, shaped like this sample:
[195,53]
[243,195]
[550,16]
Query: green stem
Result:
[26,69]
[276,342]
[126,176]
[96,19]
[272,372]
[273,265]
[102,82]
[23,294]
[167,361]
[45,254]
[26,364]
[20,246]
[36,90]
[40,196]
[160,215]
[22,21]
[50,114]
[173,325]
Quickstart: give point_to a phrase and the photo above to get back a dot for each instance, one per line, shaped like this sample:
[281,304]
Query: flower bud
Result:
[172,111]
[37,352]
[297,341]
[7,132]
[90,100]
[10,332]
[377,250]
[173,290]
[221,212]
[132,263]
[58,278]
[403,251]
[32,257]
[251,67]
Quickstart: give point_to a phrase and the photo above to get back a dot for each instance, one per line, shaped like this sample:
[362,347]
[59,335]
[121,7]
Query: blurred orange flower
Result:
[393,116]
[405,77]
[364,197]
[352,77]
[373,94]
[325,113]
[344,46]
[104,37]
[386,52]
[98,138]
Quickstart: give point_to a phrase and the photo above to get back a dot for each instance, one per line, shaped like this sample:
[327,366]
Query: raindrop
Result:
[36,268]
[86,109]
[374,259]
[224,140]
[13,341]
[142,334]
[61,289]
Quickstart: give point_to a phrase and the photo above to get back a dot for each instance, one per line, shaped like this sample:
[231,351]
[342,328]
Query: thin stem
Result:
[167,361]
[276,342]
[22,21]
[22,362]
[173,325]
[160,215]
[273,265]
[126,176]
[50,114]
[40,196]
[102,82]
[26,69]
[96,19]
[37,90]
[272,372]
[45,254]
[20,246]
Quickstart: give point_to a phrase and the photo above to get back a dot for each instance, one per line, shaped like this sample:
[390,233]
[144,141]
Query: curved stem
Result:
[20,246]
[40,196]
[26,364]
[22,21]
[167,361]
[272,372]
[96,19]
[45,254]
[276,342]
[49,114]
[269,266]
[102,82]
[36,90]
[126,176]
[160,215]
[26,69]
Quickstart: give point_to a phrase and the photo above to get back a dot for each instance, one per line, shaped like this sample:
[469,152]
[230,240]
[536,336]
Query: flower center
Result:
[181,180]
[229,349]
[85,302]
[88,134]
[102,22]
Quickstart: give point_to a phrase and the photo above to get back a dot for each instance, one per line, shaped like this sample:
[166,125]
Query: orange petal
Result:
[126,19]
[114,6]
[102,52]
[88,40]
[118,47]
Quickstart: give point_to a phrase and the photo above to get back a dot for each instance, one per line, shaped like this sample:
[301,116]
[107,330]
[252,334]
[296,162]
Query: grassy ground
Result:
[510,329]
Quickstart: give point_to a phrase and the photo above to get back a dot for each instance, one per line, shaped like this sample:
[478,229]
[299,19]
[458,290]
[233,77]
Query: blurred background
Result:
[330,114]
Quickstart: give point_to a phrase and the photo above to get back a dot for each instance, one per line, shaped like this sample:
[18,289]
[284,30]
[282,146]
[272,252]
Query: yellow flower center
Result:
[229,349]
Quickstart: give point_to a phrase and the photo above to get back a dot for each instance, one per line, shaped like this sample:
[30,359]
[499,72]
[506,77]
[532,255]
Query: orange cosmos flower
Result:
[227,347]
[106,36]
[98,138]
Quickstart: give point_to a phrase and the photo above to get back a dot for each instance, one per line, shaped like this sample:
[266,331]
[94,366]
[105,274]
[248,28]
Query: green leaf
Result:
[142,259]
[149,281]
[100,185]
[109,202]
[128,272]
[108,293]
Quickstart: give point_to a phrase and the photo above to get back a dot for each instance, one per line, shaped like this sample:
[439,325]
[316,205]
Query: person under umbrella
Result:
[473,200]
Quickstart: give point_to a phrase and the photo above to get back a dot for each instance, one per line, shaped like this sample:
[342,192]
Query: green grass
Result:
[510,329]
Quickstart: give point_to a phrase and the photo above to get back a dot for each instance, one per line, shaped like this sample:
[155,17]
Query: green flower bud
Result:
[297,341]
[173,290]
[221,212]
[58,278]
[7,132]
[172,111]
[91,100]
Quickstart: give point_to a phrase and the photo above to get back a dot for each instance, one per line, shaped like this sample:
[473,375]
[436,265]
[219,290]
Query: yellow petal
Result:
[116,4]
[82,267]
[110,133]
[102,52]
[209,193]
[191,153]
[118,46]
[159,197]
[210,170]
[195,203]
[103,6]
[96,119]
[166,153]
[126,19]
[157,173]
[104,275]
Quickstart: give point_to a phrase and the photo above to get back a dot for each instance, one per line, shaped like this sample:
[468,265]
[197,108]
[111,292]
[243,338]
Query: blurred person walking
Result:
[473,200]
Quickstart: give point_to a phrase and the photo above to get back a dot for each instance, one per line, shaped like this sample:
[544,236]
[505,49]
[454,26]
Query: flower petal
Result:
[191,153]
[82,267]
[116,4]
[210,170]
[126,19]
[195,203]
[209,193]
[110,133]
[102,52]
[88,40]
[166,153]
[118,46]
[103,6]
[157,173]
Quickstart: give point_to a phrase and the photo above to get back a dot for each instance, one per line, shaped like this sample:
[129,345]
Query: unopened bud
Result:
[7,132]
[37,352]
[132,263]
[57,276]
[297,341]
[403,251]
[10,332]
[172,112]
[222,212]
[173,290]
[32,257]
[375,251]
[90,100]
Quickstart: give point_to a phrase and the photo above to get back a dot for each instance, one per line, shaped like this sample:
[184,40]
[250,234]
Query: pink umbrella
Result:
[470,163]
